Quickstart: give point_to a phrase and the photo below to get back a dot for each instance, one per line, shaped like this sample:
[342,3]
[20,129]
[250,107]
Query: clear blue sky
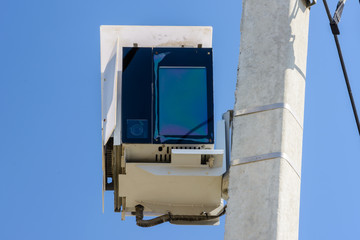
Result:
[50,139]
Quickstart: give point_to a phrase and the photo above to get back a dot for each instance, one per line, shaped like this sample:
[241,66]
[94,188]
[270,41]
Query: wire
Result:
[171,218]
[343,67]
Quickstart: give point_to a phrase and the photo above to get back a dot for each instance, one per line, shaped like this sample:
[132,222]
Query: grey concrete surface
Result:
[264,196]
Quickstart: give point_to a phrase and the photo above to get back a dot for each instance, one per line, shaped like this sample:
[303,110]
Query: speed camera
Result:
[159,155]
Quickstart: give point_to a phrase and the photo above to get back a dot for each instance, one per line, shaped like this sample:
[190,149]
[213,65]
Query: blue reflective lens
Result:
[183,101]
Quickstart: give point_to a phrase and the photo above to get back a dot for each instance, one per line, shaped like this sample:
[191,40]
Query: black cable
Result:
[343,67]
[170,218]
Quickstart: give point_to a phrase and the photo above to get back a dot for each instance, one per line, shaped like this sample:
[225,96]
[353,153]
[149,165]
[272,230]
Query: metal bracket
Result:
[228,118]
[267,156]
[264,108]
[309,3]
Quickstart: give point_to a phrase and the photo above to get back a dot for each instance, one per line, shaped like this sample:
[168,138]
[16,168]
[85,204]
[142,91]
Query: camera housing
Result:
[158,121]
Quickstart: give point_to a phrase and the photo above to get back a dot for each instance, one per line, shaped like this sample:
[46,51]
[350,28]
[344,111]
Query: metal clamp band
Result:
[274,106]
[264,157]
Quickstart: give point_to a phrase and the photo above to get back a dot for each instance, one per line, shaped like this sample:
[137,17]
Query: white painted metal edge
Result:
[198,151]
[152,36]
[166,169]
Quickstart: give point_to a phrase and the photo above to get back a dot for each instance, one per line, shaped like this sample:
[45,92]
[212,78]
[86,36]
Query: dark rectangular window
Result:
[167,95]
[183,101]
[136,95]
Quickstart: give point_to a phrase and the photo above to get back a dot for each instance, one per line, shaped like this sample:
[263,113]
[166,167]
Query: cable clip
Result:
[309,3]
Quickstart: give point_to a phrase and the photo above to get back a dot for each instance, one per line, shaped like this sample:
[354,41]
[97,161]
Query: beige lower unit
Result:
[159,194]
[167,179]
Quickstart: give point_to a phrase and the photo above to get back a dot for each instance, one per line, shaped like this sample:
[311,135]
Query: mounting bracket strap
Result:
[274,106]
[264,157]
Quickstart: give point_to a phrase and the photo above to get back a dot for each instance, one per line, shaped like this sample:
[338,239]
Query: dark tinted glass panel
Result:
[183,101]
[136,95]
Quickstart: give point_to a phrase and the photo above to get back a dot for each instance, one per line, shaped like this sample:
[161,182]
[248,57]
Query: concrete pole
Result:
[264,187]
